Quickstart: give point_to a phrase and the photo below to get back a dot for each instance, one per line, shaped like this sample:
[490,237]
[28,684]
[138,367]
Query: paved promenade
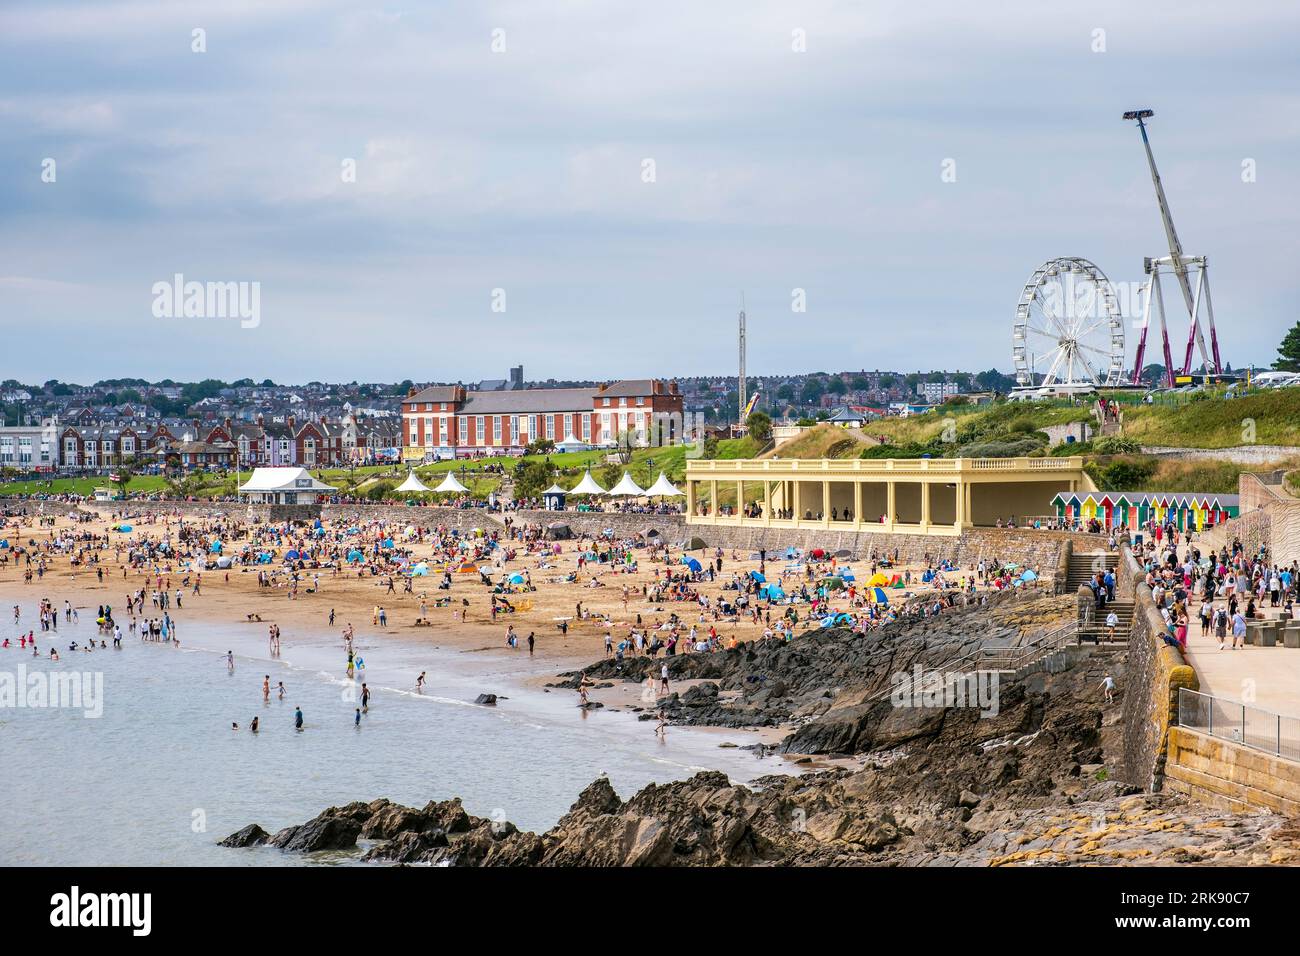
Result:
[1272,672]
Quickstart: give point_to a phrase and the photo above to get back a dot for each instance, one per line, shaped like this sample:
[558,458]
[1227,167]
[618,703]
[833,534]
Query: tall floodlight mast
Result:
[1177,262]
[744,399]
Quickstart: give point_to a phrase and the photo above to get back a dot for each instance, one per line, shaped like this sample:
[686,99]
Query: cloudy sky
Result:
[614,174]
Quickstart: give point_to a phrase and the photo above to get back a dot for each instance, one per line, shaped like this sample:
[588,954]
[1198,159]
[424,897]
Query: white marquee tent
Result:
[663,488]
[412,483]
[587,486]
[627,487]
[451,486]
[284,486]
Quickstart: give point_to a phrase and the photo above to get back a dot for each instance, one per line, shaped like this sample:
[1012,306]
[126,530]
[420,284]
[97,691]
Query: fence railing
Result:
[1254,727]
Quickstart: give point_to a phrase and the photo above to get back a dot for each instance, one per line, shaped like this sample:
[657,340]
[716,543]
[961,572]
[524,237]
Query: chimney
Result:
[230,428]
[410,391]
[291,419]
[259,418]
[672,388]
[602,386]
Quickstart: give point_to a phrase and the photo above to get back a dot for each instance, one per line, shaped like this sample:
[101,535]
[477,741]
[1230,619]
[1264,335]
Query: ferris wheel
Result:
[1068,327]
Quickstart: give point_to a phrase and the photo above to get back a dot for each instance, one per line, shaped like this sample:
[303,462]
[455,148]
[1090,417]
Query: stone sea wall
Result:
[1152,676]
[1229,776]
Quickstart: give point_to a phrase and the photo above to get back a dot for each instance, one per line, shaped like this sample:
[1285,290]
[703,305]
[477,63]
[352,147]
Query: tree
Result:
[760,427]
[813,390]
[785,392]
[886,381]
[1288,353]
[533,476]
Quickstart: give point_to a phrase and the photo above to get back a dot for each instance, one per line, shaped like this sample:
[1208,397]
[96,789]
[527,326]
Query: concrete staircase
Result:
[1093,625]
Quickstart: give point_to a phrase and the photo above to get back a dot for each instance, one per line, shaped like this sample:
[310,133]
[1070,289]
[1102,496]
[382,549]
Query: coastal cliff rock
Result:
[1025,782]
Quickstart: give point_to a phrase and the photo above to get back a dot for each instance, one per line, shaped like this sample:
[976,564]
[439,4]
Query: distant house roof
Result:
[630,386]
[434,393]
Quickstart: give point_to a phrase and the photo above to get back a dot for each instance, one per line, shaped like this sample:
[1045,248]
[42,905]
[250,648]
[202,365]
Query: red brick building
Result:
[444,421]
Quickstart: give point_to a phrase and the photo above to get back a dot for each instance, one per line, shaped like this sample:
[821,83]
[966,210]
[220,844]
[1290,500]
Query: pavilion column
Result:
[925,505]
[797,509]
[960,503]
[967,495]
[826,503]
[890,505]
[857,504]
[740,500]
[767,501]
[713,498]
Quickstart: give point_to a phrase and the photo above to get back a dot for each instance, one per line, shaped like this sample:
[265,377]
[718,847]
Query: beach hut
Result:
[412,484]
[553,498]
[450,486]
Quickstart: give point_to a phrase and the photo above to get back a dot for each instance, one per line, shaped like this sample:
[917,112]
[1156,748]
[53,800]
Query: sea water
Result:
[160,777]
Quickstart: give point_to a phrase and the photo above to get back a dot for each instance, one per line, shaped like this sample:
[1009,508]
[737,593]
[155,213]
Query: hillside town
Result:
[61,427]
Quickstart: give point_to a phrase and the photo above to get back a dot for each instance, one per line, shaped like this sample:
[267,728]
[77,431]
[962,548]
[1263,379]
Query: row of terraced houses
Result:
[92,445]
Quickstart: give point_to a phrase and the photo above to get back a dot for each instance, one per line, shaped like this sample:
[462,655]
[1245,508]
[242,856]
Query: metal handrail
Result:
[1237,730]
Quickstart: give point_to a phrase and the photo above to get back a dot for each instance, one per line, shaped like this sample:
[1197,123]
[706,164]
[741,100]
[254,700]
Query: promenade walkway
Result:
[1270,674]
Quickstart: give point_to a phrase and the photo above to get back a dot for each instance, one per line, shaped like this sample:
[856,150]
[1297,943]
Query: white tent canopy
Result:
[412,483]
[555,489]
[451,486]
[284,486]
[571,443]
[627,487]
[587,486]
[663,488]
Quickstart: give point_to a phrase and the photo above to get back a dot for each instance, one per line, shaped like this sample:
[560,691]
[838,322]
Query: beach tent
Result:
[692,564]
[516,578]
[792,552]
[412,484]
[354,555]
[878,595]
[291,556]
[878,580]
[124,528]
[215,547]
[837,620]
[663,488]
[587,486]
[1028,575]
[4,543]
[833,584]
[450,486]
[773,592]
[695,544]
[420,570]
[467,568]
[757,576]
[627,488]
[225,562]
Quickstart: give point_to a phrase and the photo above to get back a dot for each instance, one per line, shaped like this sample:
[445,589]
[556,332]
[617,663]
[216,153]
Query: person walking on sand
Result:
[531,641]
[663,678]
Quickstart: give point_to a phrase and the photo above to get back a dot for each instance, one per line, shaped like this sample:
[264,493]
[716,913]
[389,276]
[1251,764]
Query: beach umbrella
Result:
[878,595]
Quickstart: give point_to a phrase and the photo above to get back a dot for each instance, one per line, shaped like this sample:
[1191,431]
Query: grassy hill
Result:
[1200,420]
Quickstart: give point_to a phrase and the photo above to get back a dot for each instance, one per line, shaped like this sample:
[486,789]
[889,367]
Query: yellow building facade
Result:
[940,496]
